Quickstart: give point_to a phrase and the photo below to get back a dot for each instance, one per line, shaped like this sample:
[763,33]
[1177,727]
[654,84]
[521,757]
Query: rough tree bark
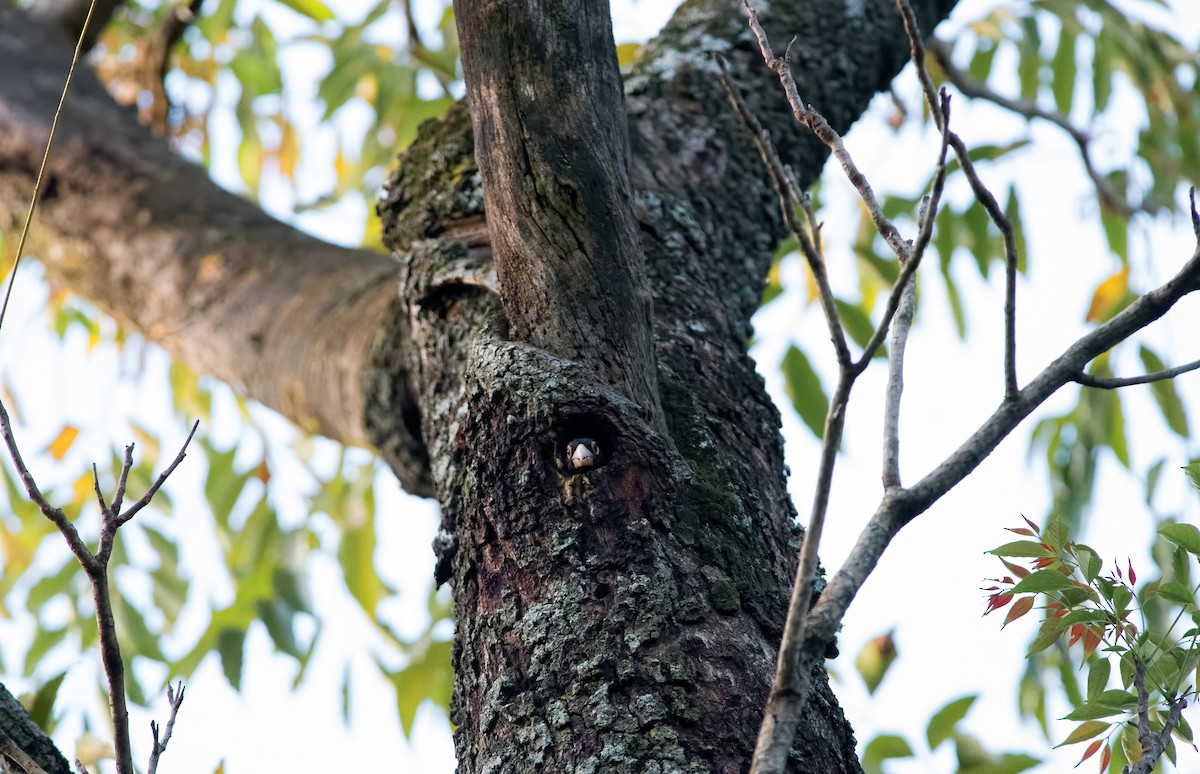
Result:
[624,619]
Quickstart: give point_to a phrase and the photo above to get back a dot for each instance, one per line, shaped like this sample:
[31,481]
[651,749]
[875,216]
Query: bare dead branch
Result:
[96,567]
[982,195]
[899,507]
[96,486]
[175,699]
[142,503]
[119,497]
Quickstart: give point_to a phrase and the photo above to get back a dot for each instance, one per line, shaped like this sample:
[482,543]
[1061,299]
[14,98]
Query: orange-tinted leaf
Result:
[1091,639]
[1091,750]
[1076,633]
[1105,757]
[1108,296]
[1016,569]
[1032,526]
[997,601]
[1022,531]
[1022,606]
[59,446]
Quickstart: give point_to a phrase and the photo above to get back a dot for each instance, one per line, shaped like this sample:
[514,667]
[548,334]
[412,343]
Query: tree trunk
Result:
[622,619]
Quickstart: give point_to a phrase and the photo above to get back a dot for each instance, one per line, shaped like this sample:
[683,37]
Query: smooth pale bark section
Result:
[282,317]
[551,143]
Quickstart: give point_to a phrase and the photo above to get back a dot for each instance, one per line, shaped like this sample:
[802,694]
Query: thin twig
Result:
[126,466]
[37,186]
[174,698]
[982,195]
[96,486]
[816,123]
[142,503]
[96,567]
[789,199]
[55,515]
[1112,383]
[895,386]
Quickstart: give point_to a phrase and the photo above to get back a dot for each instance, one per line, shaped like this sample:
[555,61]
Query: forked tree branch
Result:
[806,632]
[96,567]
[781,715]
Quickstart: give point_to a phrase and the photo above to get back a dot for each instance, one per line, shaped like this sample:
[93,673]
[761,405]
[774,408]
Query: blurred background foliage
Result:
[276,500]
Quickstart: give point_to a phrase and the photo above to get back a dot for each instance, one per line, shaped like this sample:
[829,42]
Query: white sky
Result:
[927,586]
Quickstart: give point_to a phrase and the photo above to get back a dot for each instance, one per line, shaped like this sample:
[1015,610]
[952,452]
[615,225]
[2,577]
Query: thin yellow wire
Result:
[37,186]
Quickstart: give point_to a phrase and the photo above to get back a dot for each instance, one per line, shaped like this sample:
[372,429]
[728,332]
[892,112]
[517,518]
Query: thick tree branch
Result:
[556,184]
[284,318]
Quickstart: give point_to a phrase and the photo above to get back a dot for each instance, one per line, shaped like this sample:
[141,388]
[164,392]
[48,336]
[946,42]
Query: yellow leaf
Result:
[10,401]
[811,284]
[91,749]
[289,148]
[1085,731]
[59,447]
[1108,295]
[82,488]
[367,88]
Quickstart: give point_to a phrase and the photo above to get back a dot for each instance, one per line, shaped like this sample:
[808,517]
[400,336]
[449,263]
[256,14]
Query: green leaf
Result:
[1022,549]
[230,647]
[1098,674]
[1042,581]
[1152,475]
[1177,593]
[43,641]
[1063,69]
[427,677]
[859,326]
[1165,394]
[882,748]
[1089,563]
[1093,711]
[312,9]
[1186,536]
[52,585]
[42,706]
[874,660]
[133,633]
[1102,70]
[941,725]
[804,389]
[1193,473]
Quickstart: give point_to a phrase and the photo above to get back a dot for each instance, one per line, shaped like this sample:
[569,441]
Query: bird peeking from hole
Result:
[583,454]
